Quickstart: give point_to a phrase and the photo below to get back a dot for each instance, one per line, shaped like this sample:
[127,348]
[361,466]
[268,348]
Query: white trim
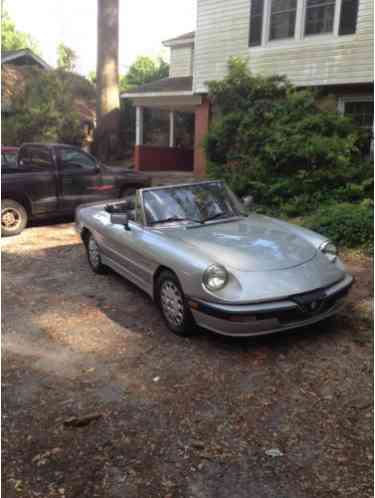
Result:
[25,53]
[156,94]
[179,43]
[171,129]
[139,126]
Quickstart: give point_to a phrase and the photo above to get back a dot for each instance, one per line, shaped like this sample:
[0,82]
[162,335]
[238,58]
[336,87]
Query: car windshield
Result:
[196,203]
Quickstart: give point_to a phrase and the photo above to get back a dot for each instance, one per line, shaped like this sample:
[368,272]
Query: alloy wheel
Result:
[93,251]
[172,303]
[10,218]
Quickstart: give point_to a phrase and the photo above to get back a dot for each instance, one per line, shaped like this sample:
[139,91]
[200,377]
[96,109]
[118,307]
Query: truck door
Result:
[80,178]
[40,185]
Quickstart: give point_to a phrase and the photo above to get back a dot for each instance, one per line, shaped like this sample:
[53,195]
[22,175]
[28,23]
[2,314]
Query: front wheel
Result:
[13,218]
[93,255]
[174,308]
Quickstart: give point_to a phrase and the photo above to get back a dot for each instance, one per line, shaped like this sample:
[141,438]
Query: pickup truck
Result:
[55,179]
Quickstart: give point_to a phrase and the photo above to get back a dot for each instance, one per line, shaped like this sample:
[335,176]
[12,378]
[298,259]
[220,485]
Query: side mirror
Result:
[120,219]
[248,201]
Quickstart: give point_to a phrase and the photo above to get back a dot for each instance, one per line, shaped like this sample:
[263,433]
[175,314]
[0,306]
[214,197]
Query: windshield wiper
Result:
[174,219]
[215,217]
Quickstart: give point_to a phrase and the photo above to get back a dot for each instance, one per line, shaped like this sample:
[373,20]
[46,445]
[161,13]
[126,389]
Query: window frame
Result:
[299,30]
[336,12]
[269,15]
[342,101]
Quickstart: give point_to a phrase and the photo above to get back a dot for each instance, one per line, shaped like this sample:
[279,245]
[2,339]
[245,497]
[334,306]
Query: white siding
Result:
[181,61]
[223,30]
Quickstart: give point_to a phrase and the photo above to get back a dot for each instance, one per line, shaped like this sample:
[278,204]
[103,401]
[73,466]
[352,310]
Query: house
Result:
[326,44]
[23,57]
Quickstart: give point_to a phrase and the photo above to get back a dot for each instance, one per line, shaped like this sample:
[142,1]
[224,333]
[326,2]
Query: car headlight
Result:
[330,250]
[215,277]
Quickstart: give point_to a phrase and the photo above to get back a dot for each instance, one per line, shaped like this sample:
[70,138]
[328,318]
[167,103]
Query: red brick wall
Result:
[154,158]
[202,119]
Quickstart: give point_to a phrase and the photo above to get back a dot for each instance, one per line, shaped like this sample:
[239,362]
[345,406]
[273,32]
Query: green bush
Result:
[43,111]
[350,225]
[271,140]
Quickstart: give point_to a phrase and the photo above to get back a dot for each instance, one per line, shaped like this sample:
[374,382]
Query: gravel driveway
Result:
[289,416]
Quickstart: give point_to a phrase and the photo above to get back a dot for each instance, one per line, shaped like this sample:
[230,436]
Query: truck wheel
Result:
[172,302]
[13,218]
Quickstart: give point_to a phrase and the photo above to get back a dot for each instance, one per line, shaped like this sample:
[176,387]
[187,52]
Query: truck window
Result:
[75,160]
[40,158]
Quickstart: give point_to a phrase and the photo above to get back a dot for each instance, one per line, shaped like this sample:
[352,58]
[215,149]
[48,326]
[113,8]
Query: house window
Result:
[320,15]
[283,19]
[361,110]
[256,22]
[348,17]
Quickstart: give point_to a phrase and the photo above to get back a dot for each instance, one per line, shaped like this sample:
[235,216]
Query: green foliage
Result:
[92,77]
[12,39]
[271,140]
[66,58]
[77,85]
[144,70]
[350,225]
[43,112]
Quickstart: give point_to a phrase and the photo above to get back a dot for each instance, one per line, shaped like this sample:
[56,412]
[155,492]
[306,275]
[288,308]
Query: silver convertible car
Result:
[208,263]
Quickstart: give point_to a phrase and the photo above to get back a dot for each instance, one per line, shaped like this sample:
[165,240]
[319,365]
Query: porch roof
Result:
[174,94]
[164,87]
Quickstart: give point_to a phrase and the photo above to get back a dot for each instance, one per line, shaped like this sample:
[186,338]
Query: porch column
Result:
[172,141]
[139,126]
[202,118]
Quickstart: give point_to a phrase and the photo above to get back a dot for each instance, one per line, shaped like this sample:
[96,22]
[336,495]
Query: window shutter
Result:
[256,23]
[348,17]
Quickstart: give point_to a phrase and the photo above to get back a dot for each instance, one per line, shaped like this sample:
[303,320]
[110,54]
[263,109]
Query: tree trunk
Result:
[107,78]
[107,63]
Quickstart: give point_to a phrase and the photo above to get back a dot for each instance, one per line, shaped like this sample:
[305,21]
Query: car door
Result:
[128,249]
[80,178]
[41,184]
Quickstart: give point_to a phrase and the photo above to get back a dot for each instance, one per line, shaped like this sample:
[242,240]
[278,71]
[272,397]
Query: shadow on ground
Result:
[178,417]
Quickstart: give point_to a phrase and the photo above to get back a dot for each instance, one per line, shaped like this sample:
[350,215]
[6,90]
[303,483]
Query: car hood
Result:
[256,243]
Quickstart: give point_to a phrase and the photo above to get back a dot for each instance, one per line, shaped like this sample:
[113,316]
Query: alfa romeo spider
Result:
[207,262]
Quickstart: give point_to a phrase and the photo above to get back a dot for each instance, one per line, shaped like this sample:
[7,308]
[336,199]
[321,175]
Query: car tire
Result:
[13,218]
[173,305]
[93,255]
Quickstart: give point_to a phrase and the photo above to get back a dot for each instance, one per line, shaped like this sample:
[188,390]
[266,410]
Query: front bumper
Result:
[267,318]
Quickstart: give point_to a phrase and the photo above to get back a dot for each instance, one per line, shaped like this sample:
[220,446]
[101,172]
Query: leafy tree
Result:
[42,111]
[144,70]
[92,77]
[11,38]
[270,139]
[66,58]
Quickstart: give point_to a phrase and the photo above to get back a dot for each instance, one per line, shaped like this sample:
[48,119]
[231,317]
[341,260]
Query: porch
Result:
[174,96]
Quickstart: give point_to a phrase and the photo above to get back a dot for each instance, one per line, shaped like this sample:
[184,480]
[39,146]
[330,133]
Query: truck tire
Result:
[13,217]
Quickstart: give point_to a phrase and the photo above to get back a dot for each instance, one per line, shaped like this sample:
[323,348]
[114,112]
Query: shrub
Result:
[271,140]
[43,111]
[350,225]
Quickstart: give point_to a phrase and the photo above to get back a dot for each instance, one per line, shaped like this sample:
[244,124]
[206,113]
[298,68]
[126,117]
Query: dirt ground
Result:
[191,418]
